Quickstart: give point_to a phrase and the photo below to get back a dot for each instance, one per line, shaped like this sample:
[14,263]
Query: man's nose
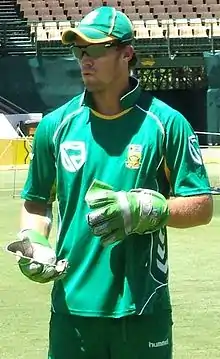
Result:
[86,59]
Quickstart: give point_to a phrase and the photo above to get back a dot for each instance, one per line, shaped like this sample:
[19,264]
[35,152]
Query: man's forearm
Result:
[186,212]
[36,216]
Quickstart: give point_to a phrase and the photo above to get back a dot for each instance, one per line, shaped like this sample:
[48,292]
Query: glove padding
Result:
[36,258]
[116,215]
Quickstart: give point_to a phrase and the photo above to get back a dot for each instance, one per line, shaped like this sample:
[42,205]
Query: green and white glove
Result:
[115,215]
[36,258]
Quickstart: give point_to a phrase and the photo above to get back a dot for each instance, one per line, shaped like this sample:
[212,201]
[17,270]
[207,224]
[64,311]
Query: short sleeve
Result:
[187,173]
[41,174]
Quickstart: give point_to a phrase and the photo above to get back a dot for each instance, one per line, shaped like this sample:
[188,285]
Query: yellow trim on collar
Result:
[110,117]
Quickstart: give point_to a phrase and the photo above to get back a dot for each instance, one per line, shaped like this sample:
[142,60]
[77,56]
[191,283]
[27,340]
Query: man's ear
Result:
[128,52]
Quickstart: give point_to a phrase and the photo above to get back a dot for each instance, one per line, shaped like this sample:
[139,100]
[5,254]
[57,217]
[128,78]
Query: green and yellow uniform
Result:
[148,145]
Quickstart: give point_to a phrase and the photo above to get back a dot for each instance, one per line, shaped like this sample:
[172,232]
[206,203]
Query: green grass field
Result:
[194,278]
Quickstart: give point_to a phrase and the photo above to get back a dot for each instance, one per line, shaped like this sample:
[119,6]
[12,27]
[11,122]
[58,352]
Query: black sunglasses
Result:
[93,50]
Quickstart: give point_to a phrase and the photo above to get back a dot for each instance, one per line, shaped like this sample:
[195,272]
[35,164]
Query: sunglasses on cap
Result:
[93,50]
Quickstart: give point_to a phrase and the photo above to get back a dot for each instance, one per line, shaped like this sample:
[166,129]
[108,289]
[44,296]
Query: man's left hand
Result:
[115,215]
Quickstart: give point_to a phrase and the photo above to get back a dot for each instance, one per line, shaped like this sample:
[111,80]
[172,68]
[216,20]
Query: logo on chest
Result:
[134,156]
[73,155]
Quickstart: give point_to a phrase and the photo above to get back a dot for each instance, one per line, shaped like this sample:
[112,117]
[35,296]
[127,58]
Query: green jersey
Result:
[148,145]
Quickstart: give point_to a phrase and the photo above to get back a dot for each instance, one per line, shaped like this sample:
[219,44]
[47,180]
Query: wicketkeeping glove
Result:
[115,215]
[36,258]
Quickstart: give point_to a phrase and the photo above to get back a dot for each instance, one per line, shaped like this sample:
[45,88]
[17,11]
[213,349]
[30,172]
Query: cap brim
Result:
[90,35]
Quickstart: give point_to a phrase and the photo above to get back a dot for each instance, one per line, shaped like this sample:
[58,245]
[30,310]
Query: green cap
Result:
[101,25]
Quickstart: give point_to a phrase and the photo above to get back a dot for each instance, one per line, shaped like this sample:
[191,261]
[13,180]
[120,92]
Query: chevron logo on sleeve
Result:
[162,261]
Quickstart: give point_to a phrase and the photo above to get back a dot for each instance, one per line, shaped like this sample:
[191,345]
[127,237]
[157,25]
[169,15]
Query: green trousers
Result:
[131,337]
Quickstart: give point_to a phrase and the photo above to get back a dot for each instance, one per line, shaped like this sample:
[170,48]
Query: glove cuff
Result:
[34,237]
[154,211]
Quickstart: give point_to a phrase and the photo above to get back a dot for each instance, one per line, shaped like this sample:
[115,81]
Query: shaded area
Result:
[212,65]
[39,84]
[191,103]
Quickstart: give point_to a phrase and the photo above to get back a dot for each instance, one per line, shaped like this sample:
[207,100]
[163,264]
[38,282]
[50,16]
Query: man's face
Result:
[99,73]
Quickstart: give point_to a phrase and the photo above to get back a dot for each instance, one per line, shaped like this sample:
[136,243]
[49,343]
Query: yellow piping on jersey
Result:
[52,194]
[167,171]
[111,117]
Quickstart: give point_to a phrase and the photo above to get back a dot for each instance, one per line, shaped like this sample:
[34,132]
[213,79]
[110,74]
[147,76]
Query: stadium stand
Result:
[168,23]
[14,34]
[174,42]
[151,18]
[136,9]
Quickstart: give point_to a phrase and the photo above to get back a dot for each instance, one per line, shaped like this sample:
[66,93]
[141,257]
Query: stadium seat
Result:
[85,10]
[50,25]
[173,30]
[198,2]
[57,11]
[183,28]
[210,25]
[71,9]
[182,2]
[153,3]
[191,15]
[46,17]
[24,6]
[165,25]
[31,17]
[138,3]
[96,3]
[140,29]
[211,2]
[201,9]
[168,2]
[156,32]
[133,16]
[143,11]
[172,9]
[42,11]
[53,33]
[215,10]
[52,4]
[153,29]
[64,25]
[177,15]
[198,29]
[70,3]
[130,9]
[186,9]
[73,16]
[164,16]
[28,11]
[216,29]
[41,34]
[147,16]
[112,3]
[158,9]
[24,3]
[38,4]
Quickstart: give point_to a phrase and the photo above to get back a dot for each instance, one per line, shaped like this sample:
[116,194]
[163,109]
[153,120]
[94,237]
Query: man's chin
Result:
[91,84]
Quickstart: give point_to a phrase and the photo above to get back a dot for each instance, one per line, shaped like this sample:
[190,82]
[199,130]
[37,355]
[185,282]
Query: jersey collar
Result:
[128,100]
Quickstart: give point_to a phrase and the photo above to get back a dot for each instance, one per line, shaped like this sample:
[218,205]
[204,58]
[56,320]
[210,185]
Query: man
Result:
[115,154]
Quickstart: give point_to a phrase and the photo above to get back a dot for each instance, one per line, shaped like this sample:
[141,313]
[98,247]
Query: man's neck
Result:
[108,102]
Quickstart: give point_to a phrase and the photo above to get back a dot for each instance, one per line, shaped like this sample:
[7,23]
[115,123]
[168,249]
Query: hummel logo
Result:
[158,344]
